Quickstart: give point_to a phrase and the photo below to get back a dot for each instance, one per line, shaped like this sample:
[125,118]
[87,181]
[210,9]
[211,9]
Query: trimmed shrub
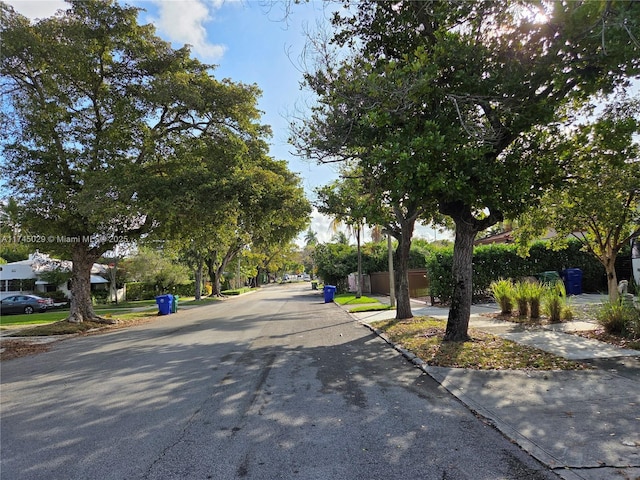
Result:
[99,297]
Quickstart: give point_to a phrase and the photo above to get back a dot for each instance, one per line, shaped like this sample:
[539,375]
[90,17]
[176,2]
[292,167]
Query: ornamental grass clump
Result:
[521,297]
[535,291]
[554,302]
[502,291]
[619,318]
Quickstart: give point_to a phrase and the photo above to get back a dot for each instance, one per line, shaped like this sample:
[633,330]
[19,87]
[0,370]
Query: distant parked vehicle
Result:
[24,304]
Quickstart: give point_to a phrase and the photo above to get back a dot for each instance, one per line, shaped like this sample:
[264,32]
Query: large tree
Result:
[437,99]
[599,201]
[93,103]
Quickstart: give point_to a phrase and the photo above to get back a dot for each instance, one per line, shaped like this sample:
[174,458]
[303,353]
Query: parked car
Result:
[24,304]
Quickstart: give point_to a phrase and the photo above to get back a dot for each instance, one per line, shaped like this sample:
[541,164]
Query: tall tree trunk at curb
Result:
[81,306]
[460,311]
[401,268]
[467,226]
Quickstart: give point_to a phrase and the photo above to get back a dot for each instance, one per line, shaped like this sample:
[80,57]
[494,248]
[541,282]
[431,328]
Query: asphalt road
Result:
[272,385]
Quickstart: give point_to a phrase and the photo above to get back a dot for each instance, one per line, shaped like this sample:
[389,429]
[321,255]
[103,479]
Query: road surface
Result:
[271,385]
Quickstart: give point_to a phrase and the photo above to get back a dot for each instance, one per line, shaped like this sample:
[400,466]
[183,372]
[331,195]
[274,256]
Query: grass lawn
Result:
[238,291]
[112,311]
[350,299]
[423,336]
[33,319]
[127,314]
[136,304]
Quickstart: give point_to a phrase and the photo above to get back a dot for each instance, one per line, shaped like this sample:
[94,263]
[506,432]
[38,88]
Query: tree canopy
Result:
[112,134]
[438,102]
[599,201]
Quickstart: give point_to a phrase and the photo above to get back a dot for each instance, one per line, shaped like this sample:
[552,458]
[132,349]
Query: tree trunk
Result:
[467,226]
[460,311]
[612,280]
[215,272]
[401,266]
[198,278]
[214,277]
[81,306]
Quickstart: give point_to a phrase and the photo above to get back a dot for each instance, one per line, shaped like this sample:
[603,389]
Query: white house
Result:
[24,276]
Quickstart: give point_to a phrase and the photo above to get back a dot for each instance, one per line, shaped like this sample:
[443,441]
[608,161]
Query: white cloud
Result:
[37,8]
[184,22]
[179,21]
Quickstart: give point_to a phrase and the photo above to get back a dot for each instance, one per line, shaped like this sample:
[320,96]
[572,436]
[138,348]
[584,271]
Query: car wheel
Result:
[28,310]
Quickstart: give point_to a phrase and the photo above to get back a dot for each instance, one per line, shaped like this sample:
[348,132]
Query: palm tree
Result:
[310,237]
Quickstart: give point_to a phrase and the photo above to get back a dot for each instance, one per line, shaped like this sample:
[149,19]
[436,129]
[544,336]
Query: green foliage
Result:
[334,263]
[599,197]
[14,252]
[502,261]
[100,297]
[140,291]
[156,268]
[503,293]
[619,318]
[149,291]
[111,134]
[445,105]
[57,276]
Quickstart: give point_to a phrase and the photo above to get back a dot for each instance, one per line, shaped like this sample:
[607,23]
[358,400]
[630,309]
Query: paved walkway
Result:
[554,338]
[585,425]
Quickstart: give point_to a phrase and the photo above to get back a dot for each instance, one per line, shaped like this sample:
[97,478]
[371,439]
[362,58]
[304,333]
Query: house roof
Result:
[38,263]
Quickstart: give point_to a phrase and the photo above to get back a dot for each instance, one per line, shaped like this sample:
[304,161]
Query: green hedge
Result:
[146,291]
[491,262]
[334,262]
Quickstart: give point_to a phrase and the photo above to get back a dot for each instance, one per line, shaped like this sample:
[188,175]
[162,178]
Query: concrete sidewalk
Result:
[582,424]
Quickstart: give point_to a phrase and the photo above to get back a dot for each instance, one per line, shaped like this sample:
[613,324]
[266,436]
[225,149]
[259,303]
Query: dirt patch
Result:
[19,348]
[30,343]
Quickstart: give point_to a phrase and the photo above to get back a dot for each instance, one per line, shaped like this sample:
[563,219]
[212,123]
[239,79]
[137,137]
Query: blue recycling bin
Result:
[164,303]
[329,293]
[572,278]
